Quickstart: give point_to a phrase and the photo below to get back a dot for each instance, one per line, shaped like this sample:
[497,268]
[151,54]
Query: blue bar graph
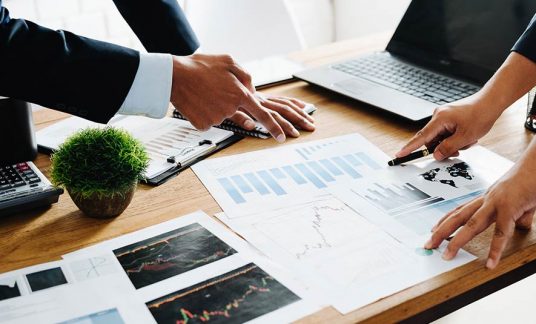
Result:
[294,175]
[348,169]
[365,158]
[231,190]
[320,171]
[302,154]
[310,176]
[242,184]
[353,160]
[281,180]
[278,173]
[257,184]
[267,178]
[331,167]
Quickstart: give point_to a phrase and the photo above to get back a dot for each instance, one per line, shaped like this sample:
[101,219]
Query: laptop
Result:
[441,51]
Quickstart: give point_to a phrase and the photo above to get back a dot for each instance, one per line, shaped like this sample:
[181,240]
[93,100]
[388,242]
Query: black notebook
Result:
[259,131]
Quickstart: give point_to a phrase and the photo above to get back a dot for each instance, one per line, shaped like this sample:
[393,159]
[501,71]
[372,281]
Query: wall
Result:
[319,21]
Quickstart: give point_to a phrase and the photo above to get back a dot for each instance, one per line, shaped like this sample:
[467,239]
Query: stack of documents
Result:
[171,143]
[332,212]
[190,269]
[330,224]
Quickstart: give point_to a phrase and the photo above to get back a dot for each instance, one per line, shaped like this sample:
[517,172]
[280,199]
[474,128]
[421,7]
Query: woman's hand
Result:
[462,123]
[456,126]
[509,203]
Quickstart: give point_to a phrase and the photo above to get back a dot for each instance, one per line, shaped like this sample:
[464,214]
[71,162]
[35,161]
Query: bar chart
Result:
[310,173]
[415,208]
[242,183]
[397,198]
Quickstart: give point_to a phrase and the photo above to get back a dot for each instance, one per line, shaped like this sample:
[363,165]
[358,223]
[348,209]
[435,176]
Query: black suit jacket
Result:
[82,76]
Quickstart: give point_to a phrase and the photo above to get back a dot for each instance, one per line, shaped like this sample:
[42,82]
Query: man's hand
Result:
[457,126]
[288,112]
[509,203]
[207,89]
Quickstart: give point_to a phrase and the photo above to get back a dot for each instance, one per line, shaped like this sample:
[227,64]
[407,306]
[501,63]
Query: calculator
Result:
[23,187]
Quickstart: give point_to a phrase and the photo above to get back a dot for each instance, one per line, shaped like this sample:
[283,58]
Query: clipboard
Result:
[164,177]
[173,145]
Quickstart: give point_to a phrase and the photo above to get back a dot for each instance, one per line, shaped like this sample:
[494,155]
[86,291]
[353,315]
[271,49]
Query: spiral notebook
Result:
[259,131]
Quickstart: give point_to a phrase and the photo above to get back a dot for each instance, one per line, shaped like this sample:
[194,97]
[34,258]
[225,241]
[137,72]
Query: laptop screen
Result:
[466,38]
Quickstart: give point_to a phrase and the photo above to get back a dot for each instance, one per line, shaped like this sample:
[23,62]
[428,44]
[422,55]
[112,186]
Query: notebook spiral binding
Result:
[230,126]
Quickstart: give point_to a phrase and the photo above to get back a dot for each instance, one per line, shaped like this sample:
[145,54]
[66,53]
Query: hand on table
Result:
[457,126]
[509,203]
[288,112]
[208,89]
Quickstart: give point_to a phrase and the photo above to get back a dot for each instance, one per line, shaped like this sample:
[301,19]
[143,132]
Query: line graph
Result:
[234,297]
[326,237]
[169,254]
[323,225]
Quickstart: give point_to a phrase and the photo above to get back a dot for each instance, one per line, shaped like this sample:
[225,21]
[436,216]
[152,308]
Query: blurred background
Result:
[273,27]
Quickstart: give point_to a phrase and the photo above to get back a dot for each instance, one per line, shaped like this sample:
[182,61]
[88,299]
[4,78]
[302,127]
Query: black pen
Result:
[413,156]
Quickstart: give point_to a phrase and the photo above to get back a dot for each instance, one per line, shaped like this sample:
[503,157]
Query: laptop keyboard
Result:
[387,71]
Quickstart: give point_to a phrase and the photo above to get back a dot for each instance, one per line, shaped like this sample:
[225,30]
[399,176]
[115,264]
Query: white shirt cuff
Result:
[150,92]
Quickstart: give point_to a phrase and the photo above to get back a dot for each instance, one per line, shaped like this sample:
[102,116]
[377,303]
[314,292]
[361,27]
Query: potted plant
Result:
[100,168]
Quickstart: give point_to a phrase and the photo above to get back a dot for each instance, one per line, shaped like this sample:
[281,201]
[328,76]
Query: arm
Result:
[63,71]
[460,124]
[511,201]
[160,25]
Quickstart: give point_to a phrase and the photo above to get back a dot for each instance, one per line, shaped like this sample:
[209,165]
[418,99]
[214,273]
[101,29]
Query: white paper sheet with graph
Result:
[338,252]
[240,183]
[408,201]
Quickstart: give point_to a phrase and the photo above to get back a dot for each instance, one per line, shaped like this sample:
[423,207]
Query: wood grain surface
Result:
[44,235]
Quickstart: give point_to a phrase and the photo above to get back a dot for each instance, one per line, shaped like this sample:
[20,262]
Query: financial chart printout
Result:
[241,182]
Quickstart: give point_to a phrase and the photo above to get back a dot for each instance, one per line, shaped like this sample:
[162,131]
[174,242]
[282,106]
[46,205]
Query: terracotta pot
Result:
[103,207]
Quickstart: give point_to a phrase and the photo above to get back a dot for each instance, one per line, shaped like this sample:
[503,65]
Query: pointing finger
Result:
[504,228]
[480,220]
[425,135]
[454,221]
[243,76]
[243,120]
[525,221]
[252,106]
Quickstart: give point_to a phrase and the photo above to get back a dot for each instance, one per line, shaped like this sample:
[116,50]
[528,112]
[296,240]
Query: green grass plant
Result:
[99,161]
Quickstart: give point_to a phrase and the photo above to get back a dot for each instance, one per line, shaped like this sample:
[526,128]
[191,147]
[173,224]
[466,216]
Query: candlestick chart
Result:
[170,254]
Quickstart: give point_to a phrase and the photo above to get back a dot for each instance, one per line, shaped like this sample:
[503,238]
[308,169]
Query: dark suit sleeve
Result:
[526,45]
[63,71]
[160,25]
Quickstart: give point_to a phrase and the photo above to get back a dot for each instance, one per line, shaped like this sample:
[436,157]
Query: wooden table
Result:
[45,235]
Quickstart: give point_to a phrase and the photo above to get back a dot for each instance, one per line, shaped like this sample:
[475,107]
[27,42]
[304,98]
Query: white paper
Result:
[271,69]
[162,138]
[217,252]
[338,252]
[246,183]
[408,201]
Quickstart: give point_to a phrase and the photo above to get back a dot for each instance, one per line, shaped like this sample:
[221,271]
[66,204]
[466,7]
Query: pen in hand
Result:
[413,156]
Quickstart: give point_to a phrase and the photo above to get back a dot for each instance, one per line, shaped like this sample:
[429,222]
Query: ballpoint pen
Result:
[413,156]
